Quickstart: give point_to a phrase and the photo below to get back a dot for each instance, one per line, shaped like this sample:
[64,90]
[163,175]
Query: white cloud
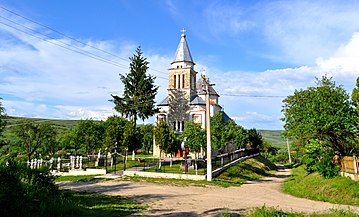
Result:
[40,79]
[240,91]
[292,32]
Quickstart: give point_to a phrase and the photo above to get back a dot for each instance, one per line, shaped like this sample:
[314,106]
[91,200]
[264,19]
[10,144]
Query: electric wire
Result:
[72,38]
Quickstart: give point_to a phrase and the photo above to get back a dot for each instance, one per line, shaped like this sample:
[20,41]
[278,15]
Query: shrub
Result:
[319,158]
[25,191]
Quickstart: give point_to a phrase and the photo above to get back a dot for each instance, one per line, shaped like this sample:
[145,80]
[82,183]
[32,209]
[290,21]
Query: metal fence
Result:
[224,159]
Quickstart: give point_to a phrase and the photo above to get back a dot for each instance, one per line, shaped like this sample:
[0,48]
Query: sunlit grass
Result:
[340,190]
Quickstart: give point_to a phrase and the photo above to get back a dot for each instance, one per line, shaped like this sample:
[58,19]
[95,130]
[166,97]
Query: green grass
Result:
[176,168]
[250,169]
[273,212]
[236,175]
[92,204]
[339,190]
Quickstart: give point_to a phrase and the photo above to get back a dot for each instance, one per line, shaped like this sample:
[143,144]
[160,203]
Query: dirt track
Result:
[166,200]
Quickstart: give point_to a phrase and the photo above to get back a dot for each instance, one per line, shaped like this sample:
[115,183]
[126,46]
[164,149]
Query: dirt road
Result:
[166,200]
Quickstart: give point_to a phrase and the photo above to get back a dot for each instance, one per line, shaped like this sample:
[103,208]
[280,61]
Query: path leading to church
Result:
[166,200]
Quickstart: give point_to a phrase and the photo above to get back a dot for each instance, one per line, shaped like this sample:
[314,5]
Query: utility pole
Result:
[290,159]
[208,128]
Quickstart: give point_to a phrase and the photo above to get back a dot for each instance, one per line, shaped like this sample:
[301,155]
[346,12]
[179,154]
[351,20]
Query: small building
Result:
[186,95]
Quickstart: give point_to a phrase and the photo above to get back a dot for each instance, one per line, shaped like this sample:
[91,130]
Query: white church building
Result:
[185,100]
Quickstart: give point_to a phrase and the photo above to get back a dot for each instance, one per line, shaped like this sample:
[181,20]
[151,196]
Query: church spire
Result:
[183,54]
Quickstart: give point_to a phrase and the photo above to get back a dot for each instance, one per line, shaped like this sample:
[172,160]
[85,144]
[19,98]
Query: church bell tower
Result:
[182,76]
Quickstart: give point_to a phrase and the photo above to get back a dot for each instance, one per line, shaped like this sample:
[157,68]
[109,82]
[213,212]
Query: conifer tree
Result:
[138,99]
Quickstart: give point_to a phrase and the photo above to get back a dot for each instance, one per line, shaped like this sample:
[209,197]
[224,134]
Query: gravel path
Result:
[166,200]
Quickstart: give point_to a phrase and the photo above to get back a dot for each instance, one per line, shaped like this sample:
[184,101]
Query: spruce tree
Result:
[138,99]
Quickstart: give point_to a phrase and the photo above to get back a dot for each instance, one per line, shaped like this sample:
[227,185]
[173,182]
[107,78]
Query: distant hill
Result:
[272,136]
[62,124]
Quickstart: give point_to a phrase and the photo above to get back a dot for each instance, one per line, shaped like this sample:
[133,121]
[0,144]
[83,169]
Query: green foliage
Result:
[323,112]
[196,137]
[319,158]
[165,138]
[114,131]
[355,96]
[26,192]
[87,137]
[147,140]
[255,139]
[33,137]
[32,192]
[139,90]
[222,133]
[132,137]
[240,136]
[339,190]
[251,169]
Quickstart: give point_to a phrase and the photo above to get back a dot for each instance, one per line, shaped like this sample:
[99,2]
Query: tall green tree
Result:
[195,137]
[240,136]
[355,96]
[164,138]
[255,139]
[324,113]
[147,141]
[89,135]
[132,137]
[33,136]
[114,128]
[222,133]
[138,98]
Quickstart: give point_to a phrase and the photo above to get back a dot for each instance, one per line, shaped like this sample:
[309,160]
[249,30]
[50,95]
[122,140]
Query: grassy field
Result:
[274,137]
[340,190]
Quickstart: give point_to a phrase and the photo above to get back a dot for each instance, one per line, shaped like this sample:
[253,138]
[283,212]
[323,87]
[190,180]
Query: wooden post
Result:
[355,167]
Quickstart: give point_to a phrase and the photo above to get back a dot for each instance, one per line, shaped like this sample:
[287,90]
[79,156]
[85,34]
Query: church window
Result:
[197,119]
[182,81]
[174,125]
[182,126]
[178,126]
[178,82]
[174,83]
[177,67]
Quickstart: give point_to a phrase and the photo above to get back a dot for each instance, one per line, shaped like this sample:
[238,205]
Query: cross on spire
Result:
[183,30]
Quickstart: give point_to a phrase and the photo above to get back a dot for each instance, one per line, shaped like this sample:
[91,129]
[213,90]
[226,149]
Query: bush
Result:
[319,158]
[27,192]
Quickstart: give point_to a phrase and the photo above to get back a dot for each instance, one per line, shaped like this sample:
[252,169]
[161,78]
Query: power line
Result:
[51,42]
[72,38]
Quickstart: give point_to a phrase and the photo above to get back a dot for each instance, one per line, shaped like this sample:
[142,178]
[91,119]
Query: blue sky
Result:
[248,48]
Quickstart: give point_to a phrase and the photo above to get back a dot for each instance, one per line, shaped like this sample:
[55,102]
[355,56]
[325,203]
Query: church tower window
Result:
[182,81]
[174,83]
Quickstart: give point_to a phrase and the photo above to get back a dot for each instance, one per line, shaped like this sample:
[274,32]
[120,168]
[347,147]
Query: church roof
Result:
[226,118]
[196,100]
[201,90]
[183,54]
[163,102]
